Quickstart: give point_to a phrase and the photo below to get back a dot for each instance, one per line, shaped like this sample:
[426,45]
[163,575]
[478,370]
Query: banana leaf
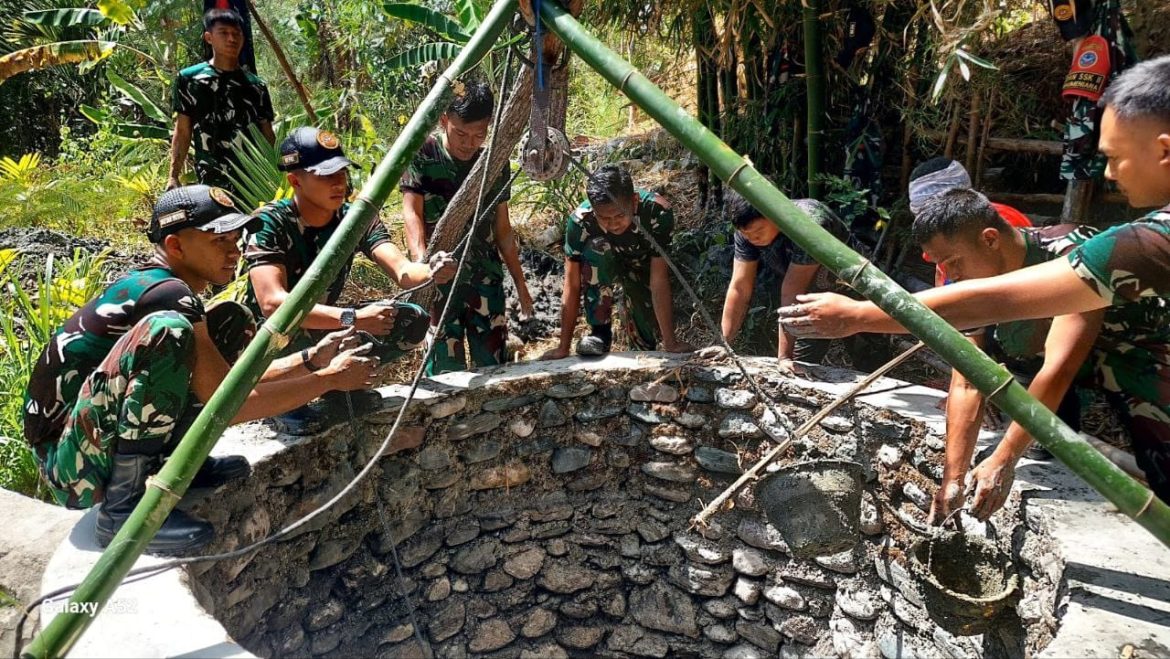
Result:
[428,18]
[58,53]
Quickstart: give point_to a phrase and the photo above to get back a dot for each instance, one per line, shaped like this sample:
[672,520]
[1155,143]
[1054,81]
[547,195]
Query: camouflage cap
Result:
[313,150]
[195,207]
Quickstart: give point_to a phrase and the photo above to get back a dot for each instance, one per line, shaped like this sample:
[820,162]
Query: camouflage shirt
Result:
[777,256]
[76,350]
[221,104]
[282,240]
[632,251]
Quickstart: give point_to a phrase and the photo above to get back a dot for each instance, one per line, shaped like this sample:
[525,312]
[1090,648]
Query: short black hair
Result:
[215,17]
[738,209]
[931,166]
[474,102]
[609,183]
[959,210]
[1141,91]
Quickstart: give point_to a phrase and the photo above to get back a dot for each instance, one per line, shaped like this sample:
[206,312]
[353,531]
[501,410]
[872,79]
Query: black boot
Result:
[217,471]
[180,533]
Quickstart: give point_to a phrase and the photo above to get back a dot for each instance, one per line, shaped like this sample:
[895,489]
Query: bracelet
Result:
[308,362]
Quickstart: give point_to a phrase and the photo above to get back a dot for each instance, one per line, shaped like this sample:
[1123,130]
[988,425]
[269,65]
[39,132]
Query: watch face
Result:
[348,317]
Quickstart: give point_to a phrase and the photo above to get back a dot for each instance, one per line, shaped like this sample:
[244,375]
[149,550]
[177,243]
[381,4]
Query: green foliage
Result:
[19,171]
[30,311]
[256,178]
[428,18]
[427,52]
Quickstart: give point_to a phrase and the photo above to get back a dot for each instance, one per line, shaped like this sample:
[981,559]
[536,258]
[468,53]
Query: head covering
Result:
[195,207]
[936,183]
[313,150]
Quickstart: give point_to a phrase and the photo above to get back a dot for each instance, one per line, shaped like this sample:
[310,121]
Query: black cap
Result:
[195,207]
[314,150]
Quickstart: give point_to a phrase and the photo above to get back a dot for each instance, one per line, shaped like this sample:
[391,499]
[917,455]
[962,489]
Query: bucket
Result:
[815,505]
[966,581]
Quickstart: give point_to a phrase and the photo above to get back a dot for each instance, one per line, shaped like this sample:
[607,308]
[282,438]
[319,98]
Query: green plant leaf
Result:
[977,61]
[419,55]
[140,98]
[58,53]
[96,115]
[428,18]
[255,178]
[469,14]
[117,11]
[941,80]
[140,131]
[68,17]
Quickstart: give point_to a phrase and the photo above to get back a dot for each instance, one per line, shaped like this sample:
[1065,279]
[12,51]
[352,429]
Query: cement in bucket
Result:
[815,505]
[966,581]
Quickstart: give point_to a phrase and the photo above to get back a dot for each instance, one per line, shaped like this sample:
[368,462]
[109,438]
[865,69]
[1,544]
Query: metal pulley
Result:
[544,160]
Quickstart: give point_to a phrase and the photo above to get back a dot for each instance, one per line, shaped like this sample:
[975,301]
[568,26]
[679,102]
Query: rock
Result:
[851,643]
[567,459]
[565,579]
[842,563]
[567,390]
[325,643]
[715,460]
[476,558]
[595,414]
[321,616]
[511,475]
[615,606]
[747,591]
[720,608]
[749,562]
[630,546]
[448,406]
[761,636]
[703,580]
[720,634]
[739,425]
[579,609]
[917,496]
[439,590]
[546,651]
[636,641]
[460,585]
[760,535]
[652,392]
[490,635]
[665,609]
[441,480]
[895,642]
[399,634]
[890,456]
[580,637]
[857,602]
[558,548]
[700,394]
[512,403]
[481,451]
[644,413]
[526,564]
[405,438]
[667,493]
[534,447]
[332,552]
[416,549]
[785,597]
[476,425]
[700,550]
[743,651]
[808,575]
[652,530]
[521,427]
[551,415]
[447,622]
[463,533]
[618,458]
[801,629]
[589,438]
[495,581]
[870,521]
[546,531]
[639,574]
[673,445]
[893,573]
[735,399]
[690,420]
[538,622]
[669,471]
[433,458]
[837,424]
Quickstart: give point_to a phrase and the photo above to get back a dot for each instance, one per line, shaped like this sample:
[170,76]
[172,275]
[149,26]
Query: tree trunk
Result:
[707,93]
[283,60]
[814,71]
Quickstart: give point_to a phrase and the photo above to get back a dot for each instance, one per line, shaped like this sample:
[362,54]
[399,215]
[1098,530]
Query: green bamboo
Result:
[64,631]
[990,378]
[814,81]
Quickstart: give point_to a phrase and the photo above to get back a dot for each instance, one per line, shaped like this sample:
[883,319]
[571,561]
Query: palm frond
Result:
[427,52]
[428,18]
[255,177]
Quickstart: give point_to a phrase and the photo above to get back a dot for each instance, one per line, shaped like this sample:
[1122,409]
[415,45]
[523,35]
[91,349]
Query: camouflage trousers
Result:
[599,274]
[476,324]
[138,401]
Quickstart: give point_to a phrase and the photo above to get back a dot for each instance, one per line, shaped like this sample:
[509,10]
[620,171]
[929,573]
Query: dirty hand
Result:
[377,319]
[333,343]
[352,369]
[714,353]
[992,480]
[820,316]
[526,307]
[678,346]
[442,267]
[555,353]
[949,498]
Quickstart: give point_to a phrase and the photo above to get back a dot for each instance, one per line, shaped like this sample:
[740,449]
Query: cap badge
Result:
[171,218]
[328,140]
[290,158]
[221,197]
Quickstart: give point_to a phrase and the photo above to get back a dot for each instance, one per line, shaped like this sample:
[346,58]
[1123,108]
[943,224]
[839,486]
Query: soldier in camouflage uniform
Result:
[117,386]
[291,233]
[215,103]
[1125,268]
[606,244]
[476,325]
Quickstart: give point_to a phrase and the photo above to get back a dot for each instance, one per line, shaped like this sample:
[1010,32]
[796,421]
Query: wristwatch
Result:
[348,317]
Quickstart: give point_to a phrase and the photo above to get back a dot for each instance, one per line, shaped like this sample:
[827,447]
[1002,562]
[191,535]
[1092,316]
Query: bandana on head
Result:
[936,183]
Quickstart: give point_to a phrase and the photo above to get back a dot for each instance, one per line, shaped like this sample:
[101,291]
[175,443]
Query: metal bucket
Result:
[815,505]
[966,581]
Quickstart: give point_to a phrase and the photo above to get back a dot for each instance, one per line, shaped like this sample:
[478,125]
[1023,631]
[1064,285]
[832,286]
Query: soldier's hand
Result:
[949,498]
[442,267]
[332,344]
[820,316]
[992,480]
[555,353]
[352,369]
[713,353]
[527,309]
[377,319]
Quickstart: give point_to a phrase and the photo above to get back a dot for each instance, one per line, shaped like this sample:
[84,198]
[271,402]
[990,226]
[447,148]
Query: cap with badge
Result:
[313,150]
[195,207]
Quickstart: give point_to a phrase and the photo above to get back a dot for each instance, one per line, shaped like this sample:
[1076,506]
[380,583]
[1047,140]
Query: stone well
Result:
[543,511]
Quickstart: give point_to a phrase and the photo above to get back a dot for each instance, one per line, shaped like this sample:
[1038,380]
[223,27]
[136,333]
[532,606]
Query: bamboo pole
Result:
[165,489]
[981,158]
[814,80]
[952,131]
[973,129]
[993,380]
[280,57]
